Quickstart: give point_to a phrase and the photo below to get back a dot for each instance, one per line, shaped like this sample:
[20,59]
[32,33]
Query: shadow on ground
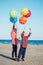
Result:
[7,57]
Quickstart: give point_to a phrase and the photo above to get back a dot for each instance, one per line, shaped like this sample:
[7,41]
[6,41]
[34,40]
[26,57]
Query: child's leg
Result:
[23,53]
[20,52]
[15,50]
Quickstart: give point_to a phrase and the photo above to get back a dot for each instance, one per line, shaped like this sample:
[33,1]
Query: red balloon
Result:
[28,14]
[22,20]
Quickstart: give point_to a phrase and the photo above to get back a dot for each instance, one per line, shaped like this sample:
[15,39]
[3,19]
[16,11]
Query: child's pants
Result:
[22,52]
[14,50]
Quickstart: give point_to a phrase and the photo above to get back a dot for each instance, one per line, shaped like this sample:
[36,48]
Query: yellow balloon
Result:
[24,11]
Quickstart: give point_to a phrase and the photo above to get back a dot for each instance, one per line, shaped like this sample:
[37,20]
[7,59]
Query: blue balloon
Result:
[13,20]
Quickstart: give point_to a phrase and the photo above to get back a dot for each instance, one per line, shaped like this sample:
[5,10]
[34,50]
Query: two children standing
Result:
[23,45]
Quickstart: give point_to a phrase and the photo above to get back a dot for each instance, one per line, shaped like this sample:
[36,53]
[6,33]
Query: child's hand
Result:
[19,37]
[30,30]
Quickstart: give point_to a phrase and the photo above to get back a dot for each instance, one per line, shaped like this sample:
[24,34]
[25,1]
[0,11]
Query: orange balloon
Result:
[22,20]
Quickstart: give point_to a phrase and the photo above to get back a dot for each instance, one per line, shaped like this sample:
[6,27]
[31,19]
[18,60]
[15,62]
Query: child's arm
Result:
[29,35]
[18,38]
[29,32]
[11,32]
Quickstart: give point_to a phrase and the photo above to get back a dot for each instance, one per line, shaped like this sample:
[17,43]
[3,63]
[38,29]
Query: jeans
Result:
[22,52]
[14,50]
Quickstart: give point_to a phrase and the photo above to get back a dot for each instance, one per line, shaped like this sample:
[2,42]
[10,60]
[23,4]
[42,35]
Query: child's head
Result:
[24,33]
[15,30]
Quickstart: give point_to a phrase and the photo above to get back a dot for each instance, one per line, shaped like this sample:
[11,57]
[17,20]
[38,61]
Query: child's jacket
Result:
[24,41]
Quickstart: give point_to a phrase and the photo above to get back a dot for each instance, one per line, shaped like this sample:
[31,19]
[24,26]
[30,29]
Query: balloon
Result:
[13,20]
[22,20]
[24,11]
[28,14]
[13,14]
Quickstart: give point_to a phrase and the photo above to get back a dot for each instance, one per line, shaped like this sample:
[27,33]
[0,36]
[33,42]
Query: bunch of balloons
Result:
[25,14]
[13,16]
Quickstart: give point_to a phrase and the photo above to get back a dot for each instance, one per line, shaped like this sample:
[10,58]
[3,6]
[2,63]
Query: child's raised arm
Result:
[29,32]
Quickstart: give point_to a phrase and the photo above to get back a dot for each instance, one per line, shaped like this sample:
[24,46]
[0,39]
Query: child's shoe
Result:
[22,59]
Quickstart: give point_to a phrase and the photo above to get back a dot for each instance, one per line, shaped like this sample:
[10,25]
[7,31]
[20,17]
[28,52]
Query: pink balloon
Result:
[28,14]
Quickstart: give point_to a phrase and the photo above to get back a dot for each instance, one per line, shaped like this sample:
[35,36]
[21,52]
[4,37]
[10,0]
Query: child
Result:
[24,43]
[14,42]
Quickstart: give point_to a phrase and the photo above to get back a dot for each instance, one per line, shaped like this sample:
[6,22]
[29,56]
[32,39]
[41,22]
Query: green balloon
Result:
[13,14]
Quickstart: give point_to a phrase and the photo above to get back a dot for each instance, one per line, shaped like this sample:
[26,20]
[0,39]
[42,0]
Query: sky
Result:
[35,21]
